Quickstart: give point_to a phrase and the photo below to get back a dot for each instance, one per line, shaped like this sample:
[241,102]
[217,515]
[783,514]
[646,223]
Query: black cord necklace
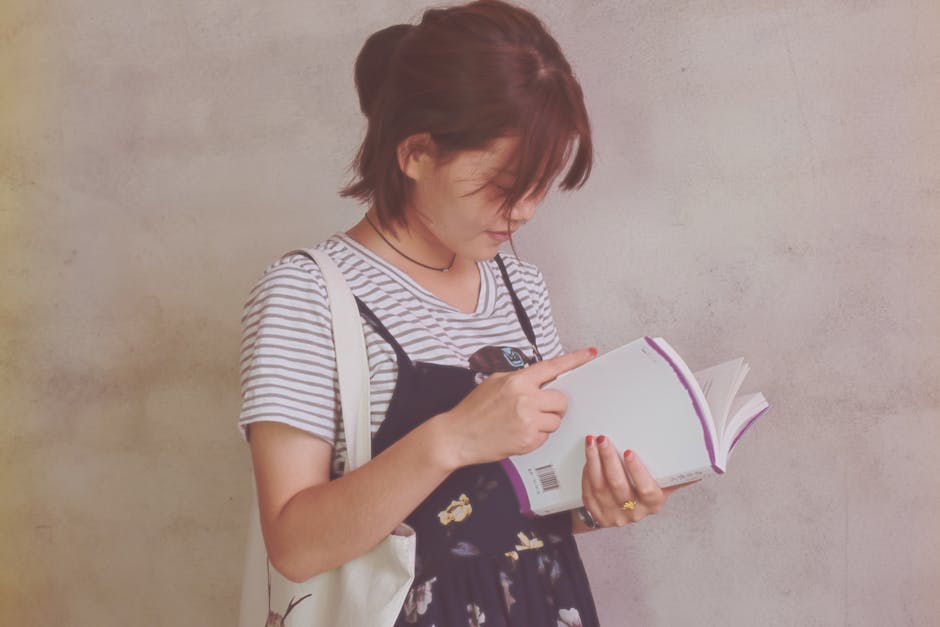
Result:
[392,246]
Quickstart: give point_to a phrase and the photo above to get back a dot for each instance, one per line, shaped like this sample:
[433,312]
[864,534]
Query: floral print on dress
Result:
[505,582]
[569,618]
[465,549]
[457,511]
[525,544]
[418,600]
[428,603]
[475,616]
[483,487]
[550,566]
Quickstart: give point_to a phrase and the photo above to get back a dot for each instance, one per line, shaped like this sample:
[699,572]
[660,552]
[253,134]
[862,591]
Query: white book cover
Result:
[644,397]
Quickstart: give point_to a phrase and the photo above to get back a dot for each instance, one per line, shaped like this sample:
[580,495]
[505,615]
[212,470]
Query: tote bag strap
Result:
[352,363]
[369,589]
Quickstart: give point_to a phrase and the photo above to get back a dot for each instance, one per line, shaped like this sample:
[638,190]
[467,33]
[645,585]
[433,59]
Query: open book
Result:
[643,397]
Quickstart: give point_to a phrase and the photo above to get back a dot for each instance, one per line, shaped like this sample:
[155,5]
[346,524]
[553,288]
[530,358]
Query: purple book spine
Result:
[709,445]
[521,495]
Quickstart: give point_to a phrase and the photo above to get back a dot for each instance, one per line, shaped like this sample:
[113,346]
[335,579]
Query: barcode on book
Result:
[547,478]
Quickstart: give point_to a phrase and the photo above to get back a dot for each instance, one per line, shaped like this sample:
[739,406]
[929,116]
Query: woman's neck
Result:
[459,286]
[411,248]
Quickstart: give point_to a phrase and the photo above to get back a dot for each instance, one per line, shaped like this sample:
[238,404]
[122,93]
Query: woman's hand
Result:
[509,413]
[617,491]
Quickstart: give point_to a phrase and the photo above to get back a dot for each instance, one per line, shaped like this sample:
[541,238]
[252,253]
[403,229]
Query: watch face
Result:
[490,359]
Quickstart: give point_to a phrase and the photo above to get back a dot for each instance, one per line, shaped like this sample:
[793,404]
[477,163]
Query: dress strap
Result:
[403,360]
[520,310]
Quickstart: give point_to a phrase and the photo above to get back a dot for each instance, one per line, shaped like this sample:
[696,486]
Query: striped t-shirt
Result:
[288,362]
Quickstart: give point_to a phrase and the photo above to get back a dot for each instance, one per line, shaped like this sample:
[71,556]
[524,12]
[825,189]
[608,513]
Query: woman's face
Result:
[457,205]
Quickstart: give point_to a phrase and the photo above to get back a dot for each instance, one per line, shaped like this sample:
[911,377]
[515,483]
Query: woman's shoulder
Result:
[296,280]
[298,266]
[291,272]
[521,273]
[293,280]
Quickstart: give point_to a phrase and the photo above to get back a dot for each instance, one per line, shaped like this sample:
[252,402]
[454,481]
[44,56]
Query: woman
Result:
[472,114]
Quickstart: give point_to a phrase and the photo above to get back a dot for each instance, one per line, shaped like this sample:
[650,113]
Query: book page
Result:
[744,411]
[720,383]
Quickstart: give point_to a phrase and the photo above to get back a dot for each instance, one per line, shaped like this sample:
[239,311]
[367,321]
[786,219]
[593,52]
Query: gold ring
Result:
[630,505]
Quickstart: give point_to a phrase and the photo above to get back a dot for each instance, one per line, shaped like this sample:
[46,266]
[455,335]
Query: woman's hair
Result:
[468,75]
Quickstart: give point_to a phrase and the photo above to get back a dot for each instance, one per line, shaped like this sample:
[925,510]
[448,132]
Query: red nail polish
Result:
[601,440]
[589,440]
[627,454]
[593,351]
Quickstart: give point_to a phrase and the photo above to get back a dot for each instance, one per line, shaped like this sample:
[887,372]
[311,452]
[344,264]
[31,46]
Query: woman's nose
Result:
[524,210]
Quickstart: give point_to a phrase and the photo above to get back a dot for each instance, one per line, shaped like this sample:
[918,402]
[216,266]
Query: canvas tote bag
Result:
[369,590]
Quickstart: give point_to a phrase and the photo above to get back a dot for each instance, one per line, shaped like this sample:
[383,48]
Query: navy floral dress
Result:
[479,561]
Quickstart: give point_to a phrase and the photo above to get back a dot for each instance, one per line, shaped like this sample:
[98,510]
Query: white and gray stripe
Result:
[288,363]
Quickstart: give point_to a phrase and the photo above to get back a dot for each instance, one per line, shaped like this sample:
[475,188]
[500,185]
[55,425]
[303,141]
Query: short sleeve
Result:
[288,361]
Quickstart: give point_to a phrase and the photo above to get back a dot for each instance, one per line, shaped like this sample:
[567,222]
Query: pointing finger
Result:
[545,371]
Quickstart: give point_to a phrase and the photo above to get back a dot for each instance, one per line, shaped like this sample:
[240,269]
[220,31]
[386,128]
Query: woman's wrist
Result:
[582,521]
[440,443]
[585,517]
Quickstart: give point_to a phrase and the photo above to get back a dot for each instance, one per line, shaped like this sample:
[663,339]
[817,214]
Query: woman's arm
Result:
[311,524]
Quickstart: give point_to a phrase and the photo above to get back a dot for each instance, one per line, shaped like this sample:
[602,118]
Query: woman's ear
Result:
[416,155]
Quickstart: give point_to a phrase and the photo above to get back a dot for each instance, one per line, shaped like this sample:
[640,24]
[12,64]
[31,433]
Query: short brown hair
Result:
[468,75]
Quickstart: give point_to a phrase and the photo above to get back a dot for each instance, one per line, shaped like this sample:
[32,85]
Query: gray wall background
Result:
[767,185]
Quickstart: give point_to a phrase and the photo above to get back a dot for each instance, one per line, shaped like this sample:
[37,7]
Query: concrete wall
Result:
[767,185]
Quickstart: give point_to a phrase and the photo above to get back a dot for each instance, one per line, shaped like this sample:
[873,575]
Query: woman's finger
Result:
[548,422]
[647,490]
[554,401]
[673,488]
[614,474]
[592,480]
[593,474]
[546,370]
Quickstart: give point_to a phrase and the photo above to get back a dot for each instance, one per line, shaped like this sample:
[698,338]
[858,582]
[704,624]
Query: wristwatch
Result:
[586,518]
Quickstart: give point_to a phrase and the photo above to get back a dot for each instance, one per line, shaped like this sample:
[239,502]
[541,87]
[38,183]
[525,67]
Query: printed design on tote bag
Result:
[275,619]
